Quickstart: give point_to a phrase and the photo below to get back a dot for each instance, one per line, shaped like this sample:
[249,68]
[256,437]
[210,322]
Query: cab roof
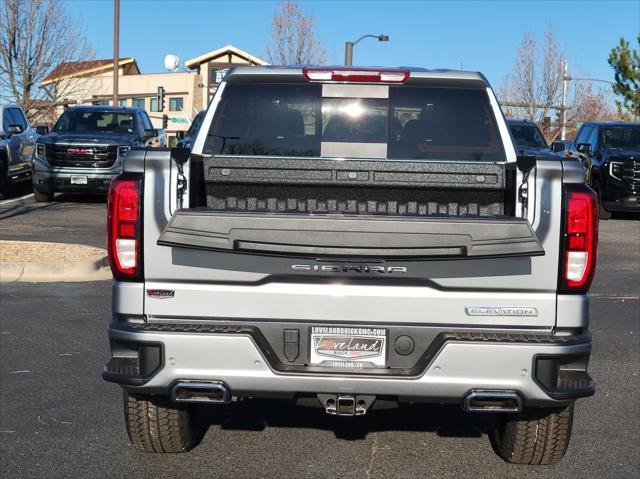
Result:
[414,72]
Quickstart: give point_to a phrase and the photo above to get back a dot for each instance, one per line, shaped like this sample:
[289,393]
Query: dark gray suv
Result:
[84,150]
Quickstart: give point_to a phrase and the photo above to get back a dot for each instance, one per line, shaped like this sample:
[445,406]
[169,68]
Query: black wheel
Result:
[535,436]
[155,424]
[603,213]
[41,196]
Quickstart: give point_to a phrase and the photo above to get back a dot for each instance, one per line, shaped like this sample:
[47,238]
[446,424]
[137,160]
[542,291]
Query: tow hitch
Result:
[346,404]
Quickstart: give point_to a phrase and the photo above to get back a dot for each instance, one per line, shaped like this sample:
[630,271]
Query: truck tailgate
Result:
[357,268]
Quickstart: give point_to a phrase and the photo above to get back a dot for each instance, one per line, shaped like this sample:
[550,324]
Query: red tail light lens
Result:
[580,246]
[355,75]
[124,227]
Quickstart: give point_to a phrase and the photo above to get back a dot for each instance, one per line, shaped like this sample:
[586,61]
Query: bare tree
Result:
[534,90]
[35,37]
[293,37]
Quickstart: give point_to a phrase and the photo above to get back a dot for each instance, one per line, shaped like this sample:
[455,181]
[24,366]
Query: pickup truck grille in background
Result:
[83,156]
[631,173]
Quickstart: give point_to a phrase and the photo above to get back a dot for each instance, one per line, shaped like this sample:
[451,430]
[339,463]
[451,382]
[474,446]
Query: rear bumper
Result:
[544,370]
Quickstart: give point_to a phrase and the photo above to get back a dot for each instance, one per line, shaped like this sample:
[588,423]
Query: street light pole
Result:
[348,47]
[563,113]
[116,49]
[565,84]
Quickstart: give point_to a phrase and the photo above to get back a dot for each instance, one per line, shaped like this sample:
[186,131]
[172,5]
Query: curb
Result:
[90,269]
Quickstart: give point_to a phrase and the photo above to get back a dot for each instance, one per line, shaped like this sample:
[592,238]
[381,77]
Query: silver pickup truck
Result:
[353,236]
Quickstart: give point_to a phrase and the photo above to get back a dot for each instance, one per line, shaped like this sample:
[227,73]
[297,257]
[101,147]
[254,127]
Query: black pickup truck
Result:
[611,153]
[84,151]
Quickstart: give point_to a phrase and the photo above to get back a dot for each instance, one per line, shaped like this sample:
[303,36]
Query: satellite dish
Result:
[171,62]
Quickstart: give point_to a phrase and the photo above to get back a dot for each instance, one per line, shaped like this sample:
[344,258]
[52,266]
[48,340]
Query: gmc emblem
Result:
[80,151]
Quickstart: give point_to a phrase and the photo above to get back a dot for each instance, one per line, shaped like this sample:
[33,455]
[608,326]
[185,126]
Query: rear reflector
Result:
[124,228]
[356,76]
[580,238]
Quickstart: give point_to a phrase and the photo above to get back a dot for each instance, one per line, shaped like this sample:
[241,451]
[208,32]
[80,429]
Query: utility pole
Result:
[563,112]
[116,49]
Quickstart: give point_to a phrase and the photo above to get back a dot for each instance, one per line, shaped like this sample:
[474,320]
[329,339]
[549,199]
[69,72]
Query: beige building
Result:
[186,93]
[213,65]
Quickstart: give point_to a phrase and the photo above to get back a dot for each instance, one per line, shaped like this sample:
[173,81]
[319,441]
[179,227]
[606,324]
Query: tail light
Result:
[580,242]
[355,75]
[124,227]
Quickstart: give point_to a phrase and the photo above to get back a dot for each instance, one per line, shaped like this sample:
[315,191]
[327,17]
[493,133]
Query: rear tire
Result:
[41,196]
[604,213]
[155,424]
[535,436]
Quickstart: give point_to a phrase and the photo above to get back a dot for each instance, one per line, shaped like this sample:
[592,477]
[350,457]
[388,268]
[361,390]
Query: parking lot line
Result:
[13,200]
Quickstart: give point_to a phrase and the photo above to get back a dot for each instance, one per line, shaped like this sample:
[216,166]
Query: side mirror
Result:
[557,146]
[149,133]
[42,129]
[584,148]
[525,163]
[13,129]
[180,135]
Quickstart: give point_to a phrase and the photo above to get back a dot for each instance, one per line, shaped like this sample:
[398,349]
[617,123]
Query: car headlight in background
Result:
[40,150]
[616,169]
[122,150]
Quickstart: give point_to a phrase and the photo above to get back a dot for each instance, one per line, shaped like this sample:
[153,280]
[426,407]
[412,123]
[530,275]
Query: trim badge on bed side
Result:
[161,293]
[499,311]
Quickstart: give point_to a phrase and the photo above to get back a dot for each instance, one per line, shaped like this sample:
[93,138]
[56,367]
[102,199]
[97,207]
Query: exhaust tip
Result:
[201,392]
[492,401]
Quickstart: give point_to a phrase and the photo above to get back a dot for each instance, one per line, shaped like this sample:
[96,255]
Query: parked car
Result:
[17,141]
[529,139]
[610,151]
[84,150]
[185,140]
[355,236]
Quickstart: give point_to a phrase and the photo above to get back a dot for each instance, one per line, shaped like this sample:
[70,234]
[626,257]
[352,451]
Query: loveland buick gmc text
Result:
[355,236]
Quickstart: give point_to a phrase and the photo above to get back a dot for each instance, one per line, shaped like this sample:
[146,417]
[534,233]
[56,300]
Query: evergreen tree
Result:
[626,65]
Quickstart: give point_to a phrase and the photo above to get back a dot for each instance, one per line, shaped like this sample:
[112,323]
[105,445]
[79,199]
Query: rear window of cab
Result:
[397,122]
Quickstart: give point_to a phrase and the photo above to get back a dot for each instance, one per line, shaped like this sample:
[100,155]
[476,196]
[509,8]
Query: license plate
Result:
[348,347]
[79,180]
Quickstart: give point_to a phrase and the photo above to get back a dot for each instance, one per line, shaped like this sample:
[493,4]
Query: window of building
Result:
[153,104]
[137,103]
[176,103]
[122,102]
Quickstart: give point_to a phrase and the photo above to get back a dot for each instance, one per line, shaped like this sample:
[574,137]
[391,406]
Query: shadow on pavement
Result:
[16,190]
[22,208]
[626,216]
[80,198]
[259,414]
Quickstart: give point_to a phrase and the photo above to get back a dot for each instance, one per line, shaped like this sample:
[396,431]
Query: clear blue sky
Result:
[483,35]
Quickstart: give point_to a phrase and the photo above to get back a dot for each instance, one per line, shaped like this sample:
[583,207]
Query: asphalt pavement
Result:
[59,419]
[67,219]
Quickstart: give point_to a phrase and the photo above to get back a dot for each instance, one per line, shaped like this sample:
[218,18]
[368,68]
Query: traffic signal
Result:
[165,121]
[160,97]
